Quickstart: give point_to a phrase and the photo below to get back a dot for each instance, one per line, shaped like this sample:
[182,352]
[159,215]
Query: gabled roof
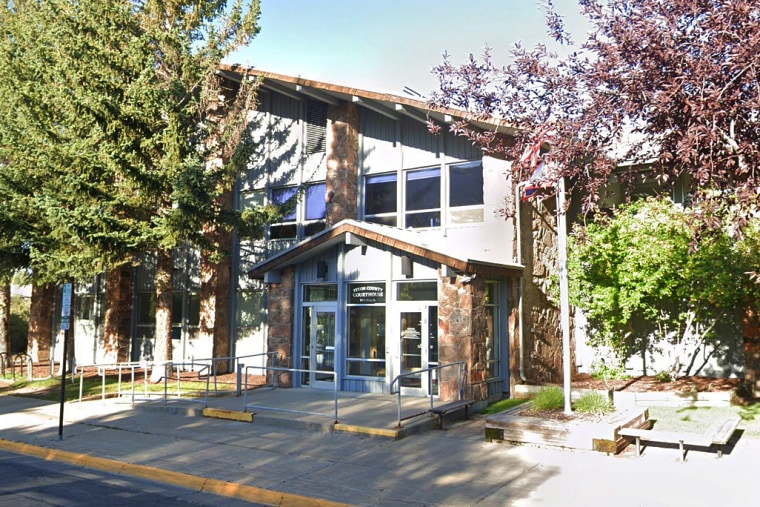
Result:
[389,105]
[406,241]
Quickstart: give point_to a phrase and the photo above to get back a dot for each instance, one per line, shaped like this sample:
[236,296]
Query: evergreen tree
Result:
[110,113]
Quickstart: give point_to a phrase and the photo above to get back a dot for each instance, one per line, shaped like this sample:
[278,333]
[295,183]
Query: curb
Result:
[187,481]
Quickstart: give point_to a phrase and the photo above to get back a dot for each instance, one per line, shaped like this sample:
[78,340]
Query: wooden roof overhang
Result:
[353,232]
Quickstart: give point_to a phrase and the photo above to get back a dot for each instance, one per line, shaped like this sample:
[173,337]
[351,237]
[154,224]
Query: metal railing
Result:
[238,367]
[396,382]
[21,359]
[103,369]
[275,369]
[175,365]
[205,368]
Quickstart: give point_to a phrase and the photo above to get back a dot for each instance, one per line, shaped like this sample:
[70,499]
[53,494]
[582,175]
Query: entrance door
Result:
[318,345]
[418,326]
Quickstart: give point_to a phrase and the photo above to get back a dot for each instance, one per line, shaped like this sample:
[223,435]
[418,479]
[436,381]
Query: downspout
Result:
[518,227]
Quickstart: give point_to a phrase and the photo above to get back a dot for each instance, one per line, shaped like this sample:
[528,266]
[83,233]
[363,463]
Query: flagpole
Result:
[564,299]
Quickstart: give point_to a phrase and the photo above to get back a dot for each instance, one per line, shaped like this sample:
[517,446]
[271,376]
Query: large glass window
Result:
[286,228]
[315,201]
[312,208]
[250,311]
[493,344]
[466,193]
[366,330]
[380,196]
[423,198]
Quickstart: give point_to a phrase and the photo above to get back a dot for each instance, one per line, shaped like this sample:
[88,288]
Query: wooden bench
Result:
[717,435]
[447,408]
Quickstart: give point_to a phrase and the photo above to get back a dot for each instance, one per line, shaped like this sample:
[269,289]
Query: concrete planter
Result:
[602,435]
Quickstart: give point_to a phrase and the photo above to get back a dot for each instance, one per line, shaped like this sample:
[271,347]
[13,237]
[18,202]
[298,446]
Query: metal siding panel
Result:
[380,149]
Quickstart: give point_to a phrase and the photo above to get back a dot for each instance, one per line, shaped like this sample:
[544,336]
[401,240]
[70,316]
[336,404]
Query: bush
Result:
[593,403]
[549,398]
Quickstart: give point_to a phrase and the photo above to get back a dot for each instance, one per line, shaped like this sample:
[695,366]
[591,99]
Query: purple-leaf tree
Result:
[670,86]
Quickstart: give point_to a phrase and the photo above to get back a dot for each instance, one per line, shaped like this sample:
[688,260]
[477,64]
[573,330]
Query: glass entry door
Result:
[418,326]
[318,345]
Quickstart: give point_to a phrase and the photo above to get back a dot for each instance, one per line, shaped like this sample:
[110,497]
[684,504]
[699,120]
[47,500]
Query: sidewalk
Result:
[276,463]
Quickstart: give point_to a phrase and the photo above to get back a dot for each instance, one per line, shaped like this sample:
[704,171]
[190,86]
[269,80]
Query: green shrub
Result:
[593,403]
[664,376]
[549,398]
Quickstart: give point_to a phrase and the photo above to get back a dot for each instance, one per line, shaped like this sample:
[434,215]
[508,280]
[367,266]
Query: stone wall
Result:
[280,308]
[543,334]
[463,329]
[342,163]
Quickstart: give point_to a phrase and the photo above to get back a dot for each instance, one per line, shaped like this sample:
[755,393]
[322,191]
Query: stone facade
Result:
[342,163]
[280,305]
[463,330]
[543,335]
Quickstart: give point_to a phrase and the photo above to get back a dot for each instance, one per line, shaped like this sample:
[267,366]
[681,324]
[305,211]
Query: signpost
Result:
[65,316]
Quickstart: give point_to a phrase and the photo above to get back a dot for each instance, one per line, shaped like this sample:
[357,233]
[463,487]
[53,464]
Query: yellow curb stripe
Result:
[228,414]
[367,430]
[188,481]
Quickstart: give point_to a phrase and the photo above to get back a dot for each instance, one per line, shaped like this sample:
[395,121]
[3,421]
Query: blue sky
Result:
[384,45]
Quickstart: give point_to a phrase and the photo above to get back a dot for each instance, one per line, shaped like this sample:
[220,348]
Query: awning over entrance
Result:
[354,232]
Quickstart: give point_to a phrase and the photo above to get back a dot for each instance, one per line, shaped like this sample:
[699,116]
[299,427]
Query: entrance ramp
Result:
[313,409]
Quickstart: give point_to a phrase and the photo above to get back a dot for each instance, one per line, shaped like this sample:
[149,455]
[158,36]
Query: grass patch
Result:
[501,406]
[50,389]
[549,398]
[593,403]
[699,419]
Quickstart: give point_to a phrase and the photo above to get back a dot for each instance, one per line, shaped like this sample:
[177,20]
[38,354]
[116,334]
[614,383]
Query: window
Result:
[366,330]
[85,306]
[466,193]
[417,291]
[422,194]
[314,204]
[493,343]
[250,311]
[287,227]
[366,341]
[423,198]
[380,199]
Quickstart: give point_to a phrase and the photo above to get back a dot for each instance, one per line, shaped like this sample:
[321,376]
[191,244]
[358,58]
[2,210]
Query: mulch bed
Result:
[650,383]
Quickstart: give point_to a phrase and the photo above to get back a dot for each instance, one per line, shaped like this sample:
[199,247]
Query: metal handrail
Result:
[274,369]
[397,382]
[169,365]
[102,369]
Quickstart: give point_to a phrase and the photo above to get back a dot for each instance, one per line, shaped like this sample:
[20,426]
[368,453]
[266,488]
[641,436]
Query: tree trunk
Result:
[116,322]
[162,352]
[41,322]
[215,291]
[5,318]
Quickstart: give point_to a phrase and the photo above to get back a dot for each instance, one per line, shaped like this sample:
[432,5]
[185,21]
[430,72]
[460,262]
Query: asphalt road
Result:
[26,481]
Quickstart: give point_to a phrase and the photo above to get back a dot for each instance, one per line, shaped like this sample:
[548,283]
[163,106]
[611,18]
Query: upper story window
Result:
[311,207]
[287,228]
[466,193]
[380,197]
[423,196]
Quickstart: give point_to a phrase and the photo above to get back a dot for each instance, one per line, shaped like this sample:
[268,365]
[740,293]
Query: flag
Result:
[535,183]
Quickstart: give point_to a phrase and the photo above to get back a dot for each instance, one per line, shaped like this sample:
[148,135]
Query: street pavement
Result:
[274,462]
